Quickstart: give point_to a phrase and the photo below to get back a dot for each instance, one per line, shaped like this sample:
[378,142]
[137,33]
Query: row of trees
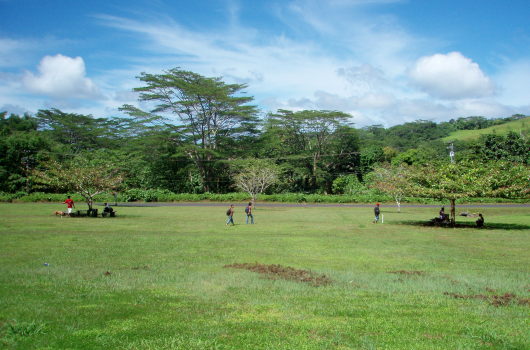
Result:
[197,134]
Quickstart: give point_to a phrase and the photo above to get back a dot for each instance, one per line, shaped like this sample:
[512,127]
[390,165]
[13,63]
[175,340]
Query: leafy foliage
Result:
[192,129]
[468,179]
[87,177]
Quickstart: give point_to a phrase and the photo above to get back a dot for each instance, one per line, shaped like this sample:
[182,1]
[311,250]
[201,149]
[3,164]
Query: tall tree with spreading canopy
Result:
[209,110]
[309,134]
[468,179]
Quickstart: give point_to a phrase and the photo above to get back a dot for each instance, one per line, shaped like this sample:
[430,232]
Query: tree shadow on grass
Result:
[470,225]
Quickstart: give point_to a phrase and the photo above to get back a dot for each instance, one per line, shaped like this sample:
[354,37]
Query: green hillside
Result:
[521,125]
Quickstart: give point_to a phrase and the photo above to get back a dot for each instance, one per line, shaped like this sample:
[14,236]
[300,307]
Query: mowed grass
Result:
[519,126]
[154,278]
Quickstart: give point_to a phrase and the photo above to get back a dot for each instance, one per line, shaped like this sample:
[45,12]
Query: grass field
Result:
[156,278]
[519,126]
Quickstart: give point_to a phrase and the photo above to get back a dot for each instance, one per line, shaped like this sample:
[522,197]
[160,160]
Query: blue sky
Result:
[383,61]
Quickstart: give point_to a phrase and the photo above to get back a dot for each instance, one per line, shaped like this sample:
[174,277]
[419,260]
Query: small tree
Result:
[83,176]
[254,176]
[391,180]
[469,179]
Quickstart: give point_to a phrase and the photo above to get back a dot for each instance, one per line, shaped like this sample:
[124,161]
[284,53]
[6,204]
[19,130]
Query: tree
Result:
[75,132]
[85,176]
[369,157]
[512,146]
[209,109]
[309,134]
[348,184]
[392,180]
[254,176]
[455,181]
[22,148]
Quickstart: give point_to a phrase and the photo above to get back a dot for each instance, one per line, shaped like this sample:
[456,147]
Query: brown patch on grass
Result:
[495,300]
[524,301]
[405,272]
[284,272]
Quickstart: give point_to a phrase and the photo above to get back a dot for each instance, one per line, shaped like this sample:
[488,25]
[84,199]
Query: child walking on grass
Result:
[230,214]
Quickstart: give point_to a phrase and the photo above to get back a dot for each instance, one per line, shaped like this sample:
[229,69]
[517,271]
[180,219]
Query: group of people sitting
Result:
[108,210]
[444,218]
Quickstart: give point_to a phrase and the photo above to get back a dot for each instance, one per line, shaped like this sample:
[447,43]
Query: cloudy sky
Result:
[383,61]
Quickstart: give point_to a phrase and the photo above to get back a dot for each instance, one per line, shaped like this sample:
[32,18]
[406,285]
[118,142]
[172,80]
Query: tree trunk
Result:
[89,202]
[453,212]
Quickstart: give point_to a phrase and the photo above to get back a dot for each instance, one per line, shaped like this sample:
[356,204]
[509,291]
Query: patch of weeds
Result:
[408,273]
[284,272]
[25,329]
[145,267]
[11,330]
[490,339]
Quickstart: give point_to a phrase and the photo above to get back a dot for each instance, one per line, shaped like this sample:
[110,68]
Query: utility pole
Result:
[451,152]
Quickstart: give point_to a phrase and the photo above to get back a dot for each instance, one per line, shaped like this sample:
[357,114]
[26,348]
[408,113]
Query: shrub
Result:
[160,195]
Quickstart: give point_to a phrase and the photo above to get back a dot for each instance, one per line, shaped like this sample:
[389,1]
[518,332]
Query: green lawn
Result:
[155,278]
[519,126]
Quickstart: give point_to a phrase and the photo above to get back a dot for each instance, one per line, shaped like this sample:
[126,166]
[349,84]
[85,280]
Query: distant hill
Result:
[519,126]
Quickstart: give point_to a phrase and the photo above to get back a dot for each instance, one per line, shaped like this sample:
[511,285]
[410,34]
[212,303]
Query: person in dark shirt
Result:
[377,211]
[108,209]
[230,214]
[248,210]
[480,221]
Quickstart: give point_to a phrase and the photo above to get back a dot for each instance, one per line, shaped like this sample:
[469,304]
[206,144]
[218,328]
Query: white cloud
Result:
[451,76]
[341,55]
[9,49]
[514,83]
[284,73]
[61,77]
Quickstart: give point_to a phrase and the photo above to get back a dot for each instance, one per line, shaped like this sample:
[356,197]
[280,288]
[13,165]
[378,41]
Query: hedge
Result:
[160,195]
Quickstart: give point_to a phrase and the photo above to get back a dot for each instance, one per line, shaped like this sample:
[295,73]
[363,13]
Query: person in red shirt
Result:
[69,205]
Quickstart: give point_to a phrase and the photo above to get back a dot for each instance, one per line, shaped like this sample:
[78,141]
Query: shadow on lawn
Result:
[470,225]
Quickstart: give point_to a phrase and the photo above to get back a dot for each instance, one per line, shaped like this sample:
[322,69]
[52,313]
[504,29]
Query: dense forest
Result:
[197,130]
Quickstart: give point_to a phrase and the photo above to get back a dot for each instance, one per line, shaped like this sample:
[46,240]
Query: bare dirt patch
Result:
[284,272]
[495,299]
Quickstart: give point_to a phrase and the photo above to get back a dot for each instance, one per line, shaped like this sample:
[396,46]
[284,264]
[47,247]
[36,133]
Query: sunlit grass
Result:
[154,278]
[519,126]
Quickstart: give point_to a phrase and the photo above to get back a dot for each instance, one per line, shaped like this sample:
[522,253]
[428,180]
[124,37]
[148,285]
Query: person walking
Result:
[230,214]
[377,211]
[248,210]
[69,205]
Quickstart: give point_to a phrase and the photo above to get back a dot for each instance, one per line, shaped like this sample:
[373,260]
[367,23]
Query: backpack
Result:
[247,210]
[228,212]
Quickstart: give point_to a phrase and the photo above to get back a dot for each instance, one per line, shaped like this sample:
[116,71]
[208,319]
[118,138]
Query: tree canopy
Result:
[187,129]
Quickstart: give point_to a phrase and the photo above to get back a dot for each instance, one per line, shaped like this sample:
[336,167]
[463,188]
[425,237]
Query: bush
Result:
[160,195]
